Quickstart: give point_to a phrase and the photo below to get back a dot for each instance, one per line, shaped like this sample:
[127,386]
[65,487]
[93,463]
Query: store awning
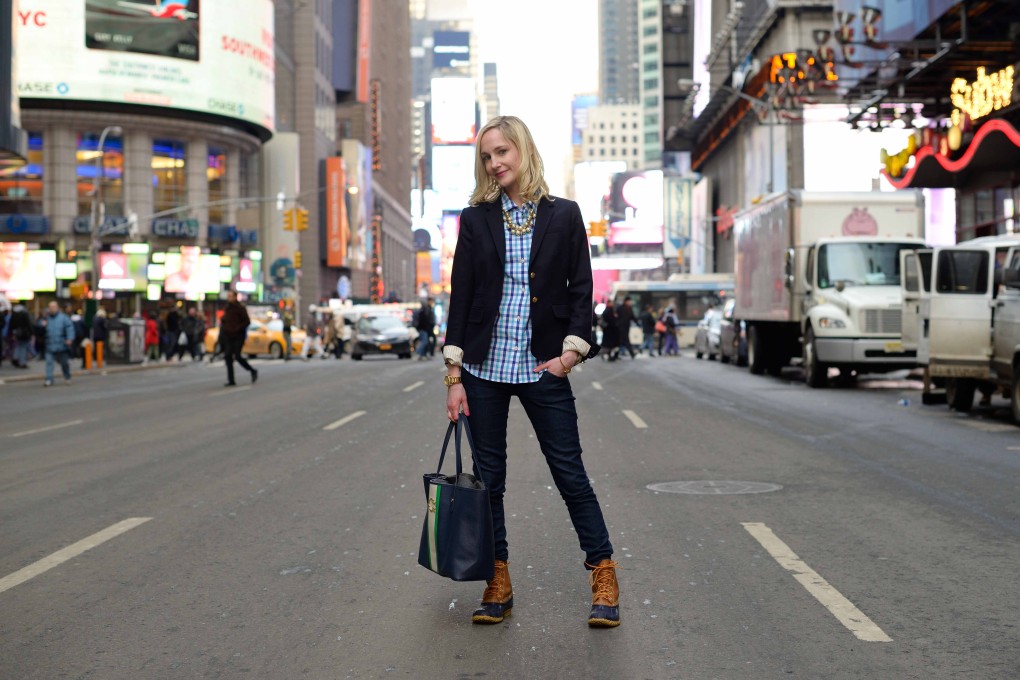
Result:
[996,146]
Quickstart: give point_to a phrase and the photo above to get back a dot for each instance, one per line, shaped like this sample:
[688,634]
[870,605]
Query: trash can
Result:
[125,342]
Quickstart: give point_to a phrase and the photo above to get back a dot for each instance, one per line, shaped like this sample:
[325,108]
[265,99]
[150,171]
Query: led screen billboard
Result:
[123,271]
[191,272]
[453,110]
[451,49]
[215,58]
[24,271]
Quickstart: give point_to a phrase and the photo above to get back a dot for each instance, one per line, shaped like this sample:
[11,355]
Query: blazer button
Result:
[532,274]
[534,299]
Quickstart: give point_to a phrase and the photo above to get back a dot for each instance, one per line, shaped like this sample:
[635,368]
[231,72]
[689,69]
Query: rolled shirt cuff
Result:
[579,345]
[453,356]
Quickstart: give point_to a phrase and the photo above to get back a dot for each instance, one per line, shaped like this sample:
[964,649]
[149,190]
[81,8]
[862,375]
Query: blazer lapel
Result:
[494,216]
[545,211]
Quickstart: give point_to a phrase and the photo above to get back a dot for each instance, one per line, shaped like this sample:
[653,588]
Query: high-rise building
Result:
[489,103]
[650,81]
[619,54]
[614,133]
[13,143]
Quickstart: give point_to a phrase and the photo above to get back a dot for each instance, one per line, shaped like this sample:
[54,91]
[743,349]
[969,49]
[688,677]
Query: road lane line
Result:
[229,390]
[414,386]
[344,420]
[636,419]
[58,426]
[596,385]
[70,552]
[845,612]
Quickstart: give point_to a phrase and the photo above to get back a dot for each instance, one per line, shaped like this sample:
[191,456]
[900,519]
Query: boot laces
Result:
[601,578]
[497,584]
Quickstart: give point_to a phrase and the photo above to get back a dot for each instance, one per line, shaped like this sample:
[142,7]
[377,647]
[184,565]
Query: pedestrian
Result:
[288,323]
[5,320]
[233,329]
[21,332]
[624,320]
[99,330]
[38,347]
[670,346]
[610,331]
[59,339]
[151,338]
[193,331]
[336,331]
[517,323]
[313,336]
[425,323]
[173,333]
[80,332]
[647,322]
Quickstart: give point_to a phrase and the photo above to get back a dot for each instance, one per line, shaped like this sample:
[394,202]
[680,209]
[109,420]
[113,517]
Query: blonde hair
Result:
[531,179]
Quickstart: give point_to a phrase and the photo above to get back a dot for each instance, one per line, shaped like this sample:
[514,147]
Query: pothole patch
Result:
[707,487]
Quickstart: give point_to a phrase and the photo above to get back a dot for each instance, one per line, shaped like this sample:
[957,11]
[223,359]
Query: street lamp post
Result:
[98,216]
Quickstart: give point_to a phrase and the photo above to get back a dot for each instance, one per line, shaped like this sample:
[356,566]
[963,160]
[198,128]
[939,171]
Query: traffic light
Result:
[288,220]
[302,219]
[297,259]
[597,228]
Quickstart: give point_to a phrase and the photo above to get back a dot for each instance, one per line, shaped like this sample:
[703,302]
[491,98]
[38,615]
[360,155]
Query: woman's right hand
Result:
[456,400]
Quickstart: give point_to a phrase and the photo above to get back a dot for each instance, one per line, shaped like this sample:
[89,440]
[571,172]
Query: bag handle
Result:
[455,427]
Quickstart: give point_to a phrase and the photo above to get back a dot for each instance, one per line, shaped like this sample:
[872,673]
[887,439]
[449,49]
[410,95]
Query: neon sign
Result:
[989,92]
[790,67]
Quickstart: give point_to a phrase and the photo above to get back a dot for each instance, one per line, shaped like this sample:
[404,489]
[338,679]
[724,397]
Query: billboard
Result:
[216,58]
[124,271]
[191,272]
[453,174]
[451,49]
[453,111]
[579,116]
[337,228]
[591,186]
[24,271]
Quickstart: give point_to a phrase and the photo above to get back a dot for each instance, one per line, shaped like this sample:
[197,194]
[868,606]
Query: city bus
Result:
[689,295]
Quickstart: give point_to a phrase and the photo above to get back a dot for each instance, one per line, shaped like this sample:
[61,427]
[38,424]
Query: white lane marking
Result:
[229,390]
[635,419]
[70,552]
[989,427]
[70,423]
[850,616]
[344,420]
[596,385]
[414,386]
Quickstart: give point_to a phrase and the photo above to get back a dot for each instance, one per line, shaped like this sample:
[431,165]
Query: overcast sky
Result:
[546,51]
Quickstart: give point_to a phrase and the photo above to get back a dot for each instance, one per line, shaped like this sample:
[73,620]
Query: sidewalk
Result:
[37,370]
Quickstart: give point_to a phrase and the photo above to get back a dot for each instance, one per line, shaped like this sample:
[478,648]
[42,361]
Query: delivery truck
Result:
[817,281]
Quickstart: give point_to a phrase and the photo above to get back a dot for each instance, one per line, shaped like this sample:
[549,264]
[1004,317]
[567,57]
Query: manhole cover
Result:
[714,488]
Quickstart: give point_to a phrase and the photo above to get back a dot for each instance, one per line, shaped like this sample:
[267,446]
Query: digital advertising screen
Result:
[453,110]
[123,271]
[191,272]
[24,271]
[451,49]
[210,57]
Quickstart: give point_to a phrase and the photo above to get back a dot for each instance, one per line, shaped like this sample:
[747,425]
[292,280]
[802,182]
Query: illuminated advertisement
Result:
[453,174]
[451,49]
[191,272]
[635,207]
[24,272]
[453,111]
[245,281]
[123,271]
[591,186]
[215,58]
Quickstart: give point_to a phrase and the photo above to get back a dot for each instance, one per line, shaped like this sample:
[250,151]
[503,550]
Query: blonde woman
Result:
[519,320]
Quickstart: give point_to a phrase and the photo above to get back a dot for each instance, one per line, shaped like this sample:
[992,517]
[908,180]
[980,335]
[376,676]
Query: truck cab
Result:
[950,299]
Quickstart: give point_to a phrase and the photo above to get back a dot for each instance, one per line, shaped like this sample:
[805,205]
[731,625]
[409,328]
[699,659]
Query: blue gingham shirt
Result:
[510,359]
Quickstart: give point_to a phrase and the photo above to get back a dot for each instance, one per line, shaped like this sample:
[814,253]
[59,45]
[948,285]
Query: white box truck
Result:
[817,279]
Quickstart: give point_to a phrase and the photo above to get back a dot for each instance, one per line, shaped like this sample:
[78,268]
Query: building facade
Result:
[619,55]
[614,132]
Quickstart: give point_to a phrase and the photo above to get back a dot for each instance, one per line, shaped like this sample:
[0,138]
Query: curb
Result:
[92,373]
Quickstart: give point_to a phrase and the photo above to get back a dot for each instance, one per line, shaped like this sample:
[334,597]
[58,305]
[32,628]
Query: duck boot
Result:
[498,598]
[605,595]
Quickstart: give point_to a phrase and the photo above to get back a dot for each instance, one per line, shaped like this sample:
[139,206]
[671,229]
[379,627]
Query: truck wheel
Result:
[1014,396]
[816,374]
[960,394]
[755,352]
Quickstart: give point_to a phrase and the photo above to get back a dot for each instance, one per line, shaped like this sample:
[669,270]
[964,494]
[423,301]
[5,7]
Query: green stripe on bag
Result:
[434,494]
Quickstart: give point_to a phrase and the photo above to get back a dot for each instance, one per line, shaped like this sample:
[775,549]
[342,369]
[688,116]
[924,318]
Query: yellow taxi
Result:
[264,337]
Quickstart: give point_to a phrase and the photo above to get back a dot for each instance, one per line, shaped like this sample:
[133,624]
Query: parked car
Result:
[732,337]
[706,337]
[264,337]
[380,334]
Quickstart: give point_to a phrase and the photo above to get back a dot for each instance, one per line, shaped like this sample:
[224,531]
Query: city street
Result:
[154,524]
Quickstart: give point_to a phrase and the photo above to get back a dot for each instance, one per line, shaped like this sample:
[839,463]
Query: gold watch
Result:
[451,380]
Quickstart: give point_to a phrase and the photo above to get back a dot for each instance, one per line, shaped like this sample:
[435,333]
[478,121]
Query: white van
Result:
[949,297]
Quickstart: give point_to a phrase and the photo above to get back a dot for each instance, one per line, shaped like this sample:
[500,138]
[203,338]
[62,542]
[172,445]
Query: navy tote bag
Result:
[456,539]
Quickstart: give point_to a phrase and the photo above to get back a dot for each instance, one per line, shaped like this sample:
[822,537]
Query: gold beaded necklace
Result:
[529,221]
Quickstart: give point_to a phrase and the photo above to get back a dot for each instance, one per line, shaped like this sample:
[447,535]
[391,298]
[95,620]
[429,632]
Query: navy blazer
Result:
[559,276]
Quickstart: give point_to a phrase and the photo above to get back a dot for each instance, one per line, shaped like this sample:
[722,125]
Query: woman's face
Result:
[501,158]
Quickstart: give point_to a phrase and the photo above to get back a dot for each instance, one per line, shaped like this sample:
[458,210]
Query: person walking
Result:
[425,323]
[5,319]
[670,346]
[313,336]
[518,321]
[99,331]
[193,329]
[173,334]
[21,334]
[59,339]
[337,327]
[151,337]
[647,322]
[233,329]
[624,320]
[610,331]
[288,346]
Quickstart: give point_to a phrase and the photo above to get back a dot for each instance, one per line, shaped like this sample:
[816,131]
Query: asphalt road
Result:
[157,525]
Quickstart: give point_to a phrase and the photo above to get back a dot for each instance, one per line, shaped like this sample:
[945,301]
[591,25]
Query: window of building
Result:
[104,170]
[623,152]
[248,175]
[591,152]
[649,30]
[612,139]
[649,12]
[602,139]
[21,188]
[169,174]
[612,152]
[216,174]
[602,152]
